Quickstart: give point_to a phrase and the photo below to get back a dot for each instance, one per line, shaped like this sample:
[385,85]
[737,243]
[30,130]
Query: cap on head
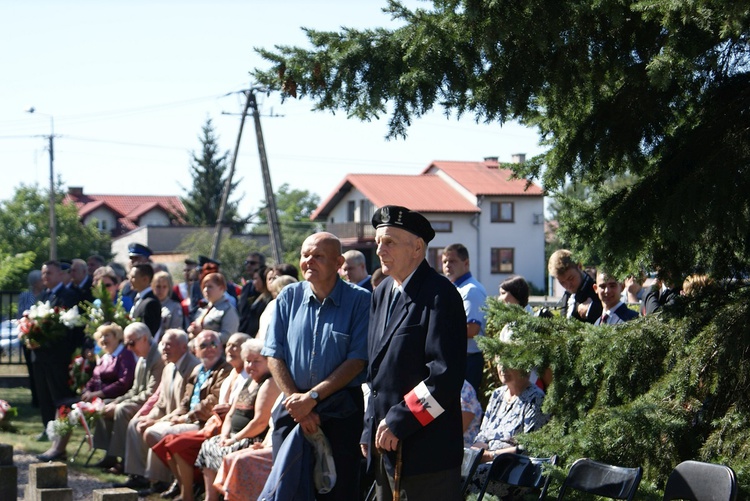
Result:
[65,264]
[135,249]
[401,217]
[203,260]
[191,262]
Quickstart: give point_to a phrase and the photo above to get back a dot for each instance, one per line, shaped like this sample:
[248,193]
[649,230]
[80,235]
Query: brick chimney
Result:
[75,191]
[518,158]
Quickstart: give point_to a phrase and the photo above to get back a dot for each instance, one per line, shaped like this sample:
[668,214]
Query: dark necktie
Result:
[395,294]
[605,317]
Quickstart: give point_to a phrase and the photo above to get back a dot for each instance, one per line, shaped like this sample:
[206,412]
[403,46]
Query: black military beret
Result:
[401,217]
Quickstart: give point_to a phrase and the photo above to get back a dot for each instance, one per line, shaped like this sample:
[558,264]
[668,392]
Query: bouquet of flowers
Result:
[80,369]
[83,414]
[43,324]
[6,412]
[102,310]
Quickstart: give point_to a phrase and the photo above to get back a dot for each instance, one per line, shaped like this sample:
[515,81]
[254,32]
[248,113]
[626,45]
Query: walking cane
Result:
[397,474]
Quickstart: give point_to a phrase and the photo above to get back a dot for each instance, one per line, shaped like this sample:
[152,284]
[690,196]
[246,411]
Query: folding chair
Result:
[696,481]
[615,482]
[469,465]
[518,471]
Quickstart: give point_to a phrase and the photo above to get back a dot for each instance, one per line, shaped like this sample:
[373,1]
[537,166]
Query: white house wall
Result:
[154,217]
[339,213]
[102,215]
[525,237]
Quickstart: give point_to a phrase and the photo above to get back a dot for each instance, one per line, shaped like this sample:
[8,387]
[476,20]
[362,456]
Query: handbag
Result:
[212,426]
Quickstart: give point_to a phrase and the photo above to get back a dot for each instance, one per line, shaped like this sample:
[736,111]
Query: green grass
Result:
[28,424]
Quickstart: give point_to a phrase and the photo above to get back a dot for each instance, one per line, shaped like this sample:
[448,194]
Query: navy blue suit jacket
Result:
[624,314]
[425,341]
[148,311]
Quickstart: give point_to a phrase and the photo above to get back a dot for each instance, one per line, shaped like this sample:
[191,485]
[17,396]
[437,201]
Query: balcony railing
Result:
[360,231]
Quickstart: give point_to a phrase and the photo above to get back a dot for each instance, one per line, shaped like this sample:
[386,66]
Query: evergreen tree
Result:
[209,172]
[652,89]
[655,89]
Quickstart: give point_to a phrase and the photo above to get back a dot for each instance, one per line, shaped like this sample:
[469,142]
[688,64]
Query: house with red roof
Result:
[499,219]
[119,214]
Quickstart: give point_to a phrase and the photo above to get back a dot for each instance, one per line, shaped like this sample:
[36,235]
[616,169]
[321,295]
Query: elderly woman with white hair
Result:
[246,422]
[514,408]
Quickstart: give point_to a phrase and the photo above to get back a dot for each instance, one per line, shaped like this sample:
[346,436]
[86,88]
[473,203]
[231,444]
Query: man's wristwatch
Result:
[314,395]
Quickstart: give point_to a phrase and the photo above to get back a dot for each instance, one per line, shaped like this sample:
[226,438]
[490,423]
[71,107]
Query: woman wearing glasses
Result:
[108,277]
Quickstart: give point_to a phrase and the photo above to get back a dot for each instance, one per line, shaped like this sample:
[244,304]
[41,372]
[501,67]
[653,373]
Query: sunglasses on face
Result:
[108,284]
[203,346]
[130,343]
[251,262]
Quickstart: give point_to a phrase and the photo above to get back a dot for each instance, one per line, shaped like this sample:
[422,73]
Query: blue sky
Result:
[130,83]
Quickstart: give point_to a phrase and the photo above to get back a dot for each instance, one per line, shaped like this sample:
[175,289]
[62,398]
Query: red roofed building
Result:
[499,219]
[119,214]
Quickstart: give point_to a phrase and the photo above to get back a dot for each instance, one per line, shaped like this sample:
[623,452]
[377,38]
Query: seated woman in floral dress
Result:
[247,420]
[513,409]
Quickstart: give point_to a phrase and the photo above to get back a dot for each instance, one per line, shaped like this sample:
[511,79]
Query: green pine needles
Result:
[652,392]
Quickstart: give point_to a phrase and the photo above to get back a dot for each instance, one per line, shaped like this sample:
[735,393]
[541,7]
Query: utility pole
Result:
[228,186]
[273,219]
[273,215]
[52,215]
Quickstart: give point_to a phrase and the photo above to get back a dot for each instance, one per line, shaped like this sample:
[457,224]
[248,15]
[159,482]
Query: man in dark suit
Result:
[579,301]
[248,322]
[146,307]
[80,281]
[661,294]
[417,360]
[609,290]
[50,362]
[355,269]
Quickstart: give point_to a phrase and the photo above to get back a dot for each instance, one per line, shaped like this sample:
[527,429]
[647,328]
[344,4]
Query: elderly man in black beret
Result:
[417,359]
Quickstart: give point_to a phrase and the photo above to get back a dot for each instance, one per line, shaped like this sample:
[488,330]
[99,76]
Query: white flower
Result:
[52,430]
[74,416]
[41,310]
[71,318]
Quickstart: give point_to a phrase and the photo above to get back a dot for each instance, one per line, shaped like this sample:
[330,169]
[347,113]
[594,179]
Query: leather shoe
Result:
[134,482]
[173,491]
[106,462]
[52,456]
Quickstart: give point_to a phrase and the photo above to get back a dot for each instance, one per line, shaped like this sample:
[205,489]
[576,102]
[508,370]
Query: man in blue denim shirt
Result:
[317,349]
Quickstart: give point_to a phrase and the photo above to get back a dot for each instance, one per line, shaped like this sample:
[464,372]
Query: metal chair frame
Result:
[519,471]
